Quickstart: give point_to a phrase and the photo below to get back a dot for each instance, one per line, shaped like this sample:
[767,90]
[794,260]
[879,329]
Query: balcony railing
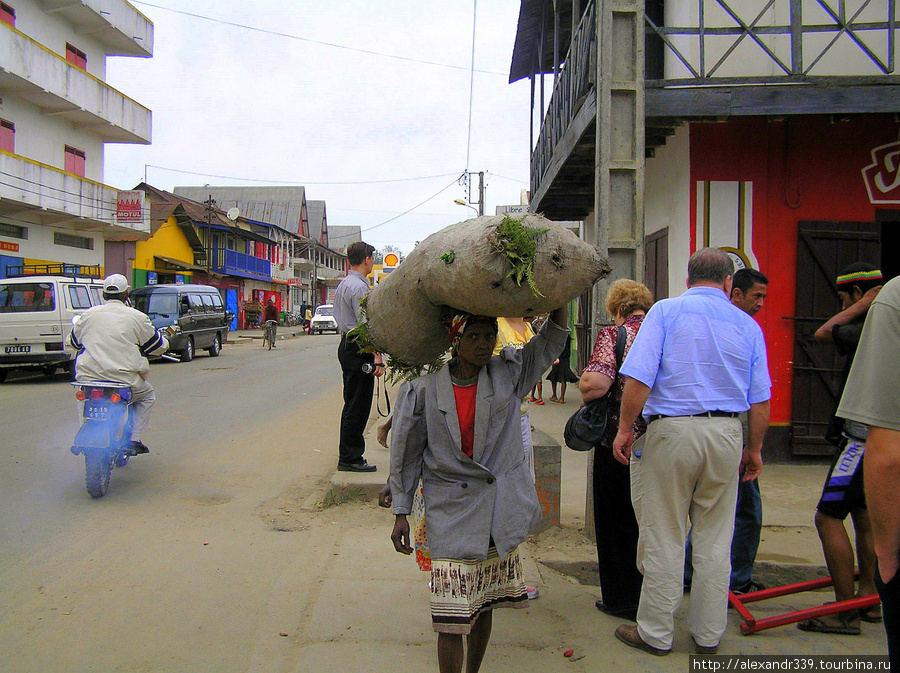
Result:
[570,91]
[235,263]
[719,41]
[59,88]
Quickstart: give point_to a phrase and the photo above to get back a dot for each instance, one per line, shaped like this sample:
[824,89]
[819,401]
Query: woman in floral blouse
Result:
[617,531]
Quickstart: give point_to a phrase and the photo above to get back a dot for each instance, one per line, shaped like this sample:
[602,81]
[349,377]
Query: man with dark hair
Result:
[697,363]
[358,385]
[857,286]
[114,341]
[748,291]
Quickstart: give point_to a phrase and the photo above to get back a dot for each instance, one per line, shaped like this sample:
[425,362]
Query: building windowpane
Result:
[73,241]
[13,231]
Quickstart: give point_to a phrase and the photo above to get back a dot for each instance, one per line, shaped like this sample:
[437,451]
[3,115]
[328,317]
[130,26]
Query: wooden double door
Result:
[823,249]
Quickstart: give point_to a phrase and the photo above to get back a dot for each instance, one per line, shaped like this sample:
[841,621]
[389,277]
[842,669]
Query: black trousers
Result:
[358,390]
[617,534]
[890,607]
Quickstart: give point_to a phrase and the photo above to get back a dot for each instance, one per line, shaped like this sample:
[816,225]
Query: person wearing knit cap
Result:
[857,286]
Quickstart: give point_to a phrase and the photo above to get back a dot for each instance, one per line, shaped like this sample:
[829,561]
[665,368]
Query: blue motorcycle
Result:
[105,433]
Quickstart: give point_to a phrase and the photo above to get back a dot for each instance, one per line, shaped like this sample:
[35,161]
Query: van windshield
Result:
[26,297]
[156,304]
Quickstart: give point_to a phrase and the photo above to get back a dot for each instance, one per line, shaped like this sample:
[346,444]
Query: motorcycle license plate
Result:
[96,410]
[16,349]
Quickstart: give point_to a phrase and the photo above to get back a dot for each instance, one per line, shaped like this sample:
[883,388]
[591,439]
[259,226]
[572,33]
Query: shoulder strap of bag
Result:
[621,338]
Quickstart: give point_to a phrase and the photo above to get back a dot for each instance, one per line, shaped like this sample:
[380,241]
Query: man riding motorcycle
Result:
[114,341]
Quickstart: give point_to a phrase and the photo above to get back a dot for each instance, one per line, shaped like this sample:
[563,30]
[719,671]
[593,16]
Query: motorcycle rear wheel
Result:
[98,469]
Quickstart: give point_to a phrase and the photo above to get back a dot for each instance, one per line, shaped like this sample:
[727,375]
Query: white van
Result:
[36,317]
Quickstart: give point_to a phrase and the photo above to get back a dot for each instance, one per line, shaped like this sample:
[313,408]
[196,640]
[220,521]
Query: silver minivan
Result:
[36,317]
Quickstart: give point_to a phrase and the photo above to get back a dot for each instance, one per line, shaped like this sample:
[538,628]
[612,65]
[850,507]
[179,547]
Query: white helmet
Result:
[116,284]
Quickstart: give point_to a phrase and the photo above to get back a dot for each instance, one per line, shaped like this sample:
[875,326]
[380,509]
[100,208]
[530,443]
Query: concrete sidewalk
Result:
[562,563]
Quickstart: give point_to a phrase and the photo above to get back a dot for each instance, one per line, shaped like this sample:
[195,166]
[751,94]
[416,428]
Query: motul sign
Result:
[882,176]
[130,206]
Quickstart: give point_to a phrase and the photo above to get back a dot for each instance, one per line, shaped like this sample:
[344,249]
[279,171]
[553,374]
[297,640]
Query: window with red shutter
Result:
[75,161]
[7,136]
[7,14]
[76,57]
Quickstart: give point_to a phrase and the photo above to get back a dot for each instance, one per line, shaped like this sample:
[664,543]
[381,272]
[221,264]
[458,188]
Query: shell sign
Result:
[391,260]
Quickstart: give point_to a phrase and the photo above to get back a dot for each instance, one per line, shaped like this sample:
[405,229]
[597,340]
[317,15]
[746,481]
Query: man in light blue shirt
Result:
[697,362]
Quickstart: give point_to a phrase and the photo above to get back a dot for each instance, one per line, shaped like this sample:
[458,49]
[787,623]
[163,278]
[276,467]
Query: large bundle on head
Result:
[509,266]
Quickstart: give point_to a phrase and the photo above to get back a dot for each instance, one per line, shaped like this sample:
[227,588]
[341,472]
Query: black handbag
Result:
[585,428]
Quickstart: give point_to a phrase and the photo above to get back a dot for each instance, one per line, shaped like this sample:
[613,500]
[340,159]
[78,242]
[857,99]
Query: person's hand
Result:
[751,465]
[381,434]
[622,446]
[384,496]
[400,535]
[870,294]
[379,367]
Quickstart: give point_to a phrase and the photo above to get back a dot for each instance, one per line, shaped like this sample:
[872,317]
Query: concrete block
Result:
[548,477]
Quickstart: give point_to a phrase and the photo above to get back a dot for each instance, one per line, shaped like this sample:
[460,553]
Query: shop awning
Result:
[178,264]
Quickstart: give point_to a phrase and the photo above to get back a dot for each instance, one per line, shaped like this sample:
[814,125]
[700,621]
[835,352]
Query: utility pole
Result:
[465,179]
[210,205]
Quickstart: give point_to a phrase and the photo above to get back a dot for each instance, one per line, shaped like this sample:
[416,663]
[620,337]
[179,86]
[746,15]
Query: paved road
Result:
[178,561]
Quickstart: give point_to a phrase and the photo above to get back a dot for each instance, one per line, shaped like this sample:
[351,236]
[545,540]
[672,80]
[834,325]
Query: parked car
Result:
[196,312]
[36,317]
[323,320]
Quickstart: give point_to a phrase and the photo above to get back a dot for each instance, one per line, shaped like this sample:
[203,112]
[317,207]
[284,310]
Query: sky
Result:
[366,104]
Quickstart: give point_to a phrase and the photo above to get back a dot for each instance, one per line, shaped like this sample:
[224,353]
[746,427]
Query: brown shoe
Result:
[705,649]
[629,635]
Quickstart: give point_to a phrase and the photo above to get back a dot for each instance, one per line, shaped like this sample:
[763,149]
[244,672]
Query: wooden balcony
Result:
[707,59]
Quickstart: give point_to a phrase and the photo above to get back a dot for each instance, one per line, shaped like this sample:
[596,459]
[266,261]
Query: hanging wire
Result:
[471,83]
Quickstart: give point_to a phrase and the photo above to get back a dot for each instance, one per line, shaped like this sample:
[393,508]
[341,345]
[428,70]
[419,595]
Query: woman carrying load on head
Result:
[616,527]
[459,430]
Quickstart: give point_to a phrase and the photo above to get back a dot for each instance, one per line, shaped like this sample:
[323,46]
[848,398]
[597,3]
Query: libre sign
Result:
[130,206]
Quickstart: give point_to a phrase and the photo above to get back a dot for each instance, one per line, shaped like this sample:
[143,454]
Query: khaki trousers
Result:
[686,475]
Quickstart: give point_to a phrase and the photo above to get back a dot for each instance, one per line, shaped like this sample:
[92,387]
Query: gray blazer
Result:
[469,501]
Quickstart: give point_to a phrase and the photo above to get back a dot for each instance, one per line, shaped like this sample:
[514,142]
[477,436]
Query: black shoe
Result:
[359,466]
[748,588]
[624,613]
[138,448]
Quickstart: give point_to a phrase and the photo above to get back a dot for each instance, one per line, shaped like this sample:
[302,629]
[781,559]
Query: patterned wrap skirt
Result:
[461,589]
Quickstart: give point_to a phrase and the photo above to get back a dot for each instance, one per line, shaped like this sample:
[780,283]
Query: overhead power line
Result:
[299,183]
[370,52]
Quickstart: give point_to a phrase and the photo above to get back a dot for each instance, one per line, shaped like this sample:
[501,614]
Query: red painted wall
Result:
[804,168]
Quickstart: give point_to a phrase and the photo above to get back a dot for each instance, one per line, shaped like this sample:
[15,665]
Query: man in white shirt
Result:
[115,340]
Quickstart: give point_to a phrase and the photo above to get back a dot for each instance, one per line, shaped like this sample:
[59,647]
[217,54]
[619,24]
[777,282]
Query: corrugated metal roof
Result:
[318,224]
[533,49]
[340,237]
[284,207]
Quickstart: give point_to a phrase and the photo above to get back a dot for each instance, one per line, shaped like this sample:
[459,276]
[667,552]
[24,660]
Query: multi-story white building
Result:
[56,114]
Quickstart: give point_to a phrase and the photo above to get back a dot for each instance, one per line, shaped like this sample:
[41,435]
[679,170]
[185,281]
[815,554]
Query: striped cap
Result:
[858,276]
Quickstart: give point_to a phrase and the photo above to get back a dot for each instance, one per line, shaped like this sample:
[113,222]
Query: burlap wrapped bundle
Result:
[463,267]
